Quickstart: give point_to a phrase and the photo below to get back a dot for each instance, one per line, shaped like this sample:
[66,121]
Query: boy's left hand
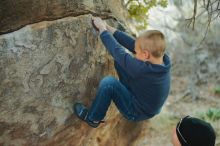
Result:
[99,23]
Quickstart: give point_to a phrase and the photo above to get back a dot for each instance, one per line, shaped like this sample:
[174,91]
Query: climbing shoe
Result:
[81,112]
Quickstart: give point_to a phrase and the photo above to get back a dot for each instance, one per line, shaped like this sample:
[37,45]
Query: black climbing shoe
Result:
[81,112]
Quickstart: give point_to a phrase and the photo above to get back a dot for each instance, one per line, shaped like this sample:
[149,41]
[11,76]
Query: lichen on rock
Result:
[47,65]
[50,57]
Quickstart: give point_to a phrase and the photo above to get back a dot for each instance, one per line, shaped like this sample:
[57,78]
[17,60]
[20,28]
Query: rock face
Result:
[16,14]
[46,66]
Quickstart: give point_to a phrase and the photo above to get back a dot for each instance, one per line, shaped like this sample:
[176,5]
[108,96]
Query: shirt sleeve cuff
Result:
[104,33]
[116,33]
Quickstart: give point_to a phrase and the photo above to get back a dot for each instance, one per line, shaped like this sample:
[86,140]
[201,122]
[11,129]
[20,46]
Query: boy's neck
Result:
[156,60]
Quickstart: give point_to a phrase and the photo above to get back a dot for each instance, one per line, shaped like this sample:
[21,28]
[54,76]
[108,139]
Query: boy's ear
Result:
[146,54]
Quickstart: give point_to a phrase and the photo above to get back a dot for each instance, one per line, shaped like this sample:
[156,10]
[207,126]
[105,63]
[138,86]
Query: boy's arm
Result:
[129,63]
[123,38]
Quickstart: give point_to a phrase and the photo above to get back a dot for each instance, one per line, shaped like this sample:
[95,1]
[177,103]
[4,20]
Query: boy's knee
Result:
[108,80]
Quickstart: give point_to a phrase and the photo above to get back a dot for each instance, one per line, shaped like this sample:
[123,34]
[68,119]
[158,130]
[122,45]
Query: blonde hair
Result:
[154,42]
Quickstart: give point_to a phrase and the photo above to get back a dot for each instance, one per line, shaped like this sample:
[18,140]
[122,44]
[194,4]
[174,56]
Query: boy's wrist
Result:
[111,29]
[108,27]
[102,30]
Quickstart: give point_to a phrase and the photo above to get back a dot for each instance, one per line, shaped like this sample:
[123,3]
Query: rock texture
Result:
[46,66]
[51,57]
[16,14]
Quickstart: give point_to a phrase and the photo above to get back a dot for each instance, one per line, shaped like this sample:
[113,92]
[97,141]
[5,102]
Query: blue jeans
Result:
[111,89]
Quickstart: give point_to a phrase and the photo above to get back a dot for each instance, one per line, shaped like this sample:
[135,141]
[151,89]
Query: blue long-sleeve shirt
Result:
[150,83]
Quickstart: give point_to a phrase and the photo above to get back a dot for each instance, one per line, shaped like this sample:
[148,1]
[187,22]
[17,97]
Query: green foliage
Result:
[213,114]
[163,3]
[138,10]
[217,90]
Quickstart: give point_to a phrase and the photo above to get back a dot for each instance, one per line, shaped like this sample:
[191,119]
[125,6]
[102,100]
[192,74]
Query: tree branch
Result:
[193,18]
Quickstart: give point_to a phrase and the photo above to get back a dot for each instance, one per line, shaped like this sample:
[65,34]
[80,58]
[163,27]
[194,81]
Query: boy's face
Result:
[175,140]
[140,54]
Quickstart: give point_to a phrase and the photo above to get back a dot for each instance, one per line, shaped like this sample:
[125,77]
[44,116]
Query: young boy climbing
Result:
[144,76]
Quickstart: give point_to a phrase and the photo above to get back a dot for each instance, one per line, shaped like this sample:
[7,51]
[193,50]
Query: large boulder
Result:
[49,64]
